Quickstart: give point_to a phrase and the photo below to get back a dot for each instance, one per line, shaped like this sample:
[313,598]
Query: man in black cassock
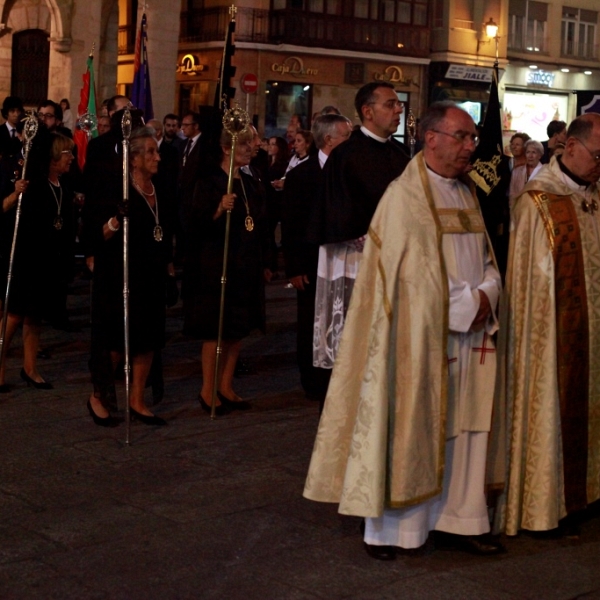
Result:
[303,187]
[356,175]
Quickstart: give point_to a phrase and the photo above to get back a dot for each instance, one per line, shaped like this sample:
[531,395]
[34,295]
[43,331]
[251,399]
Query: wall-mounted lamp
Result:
[491,31]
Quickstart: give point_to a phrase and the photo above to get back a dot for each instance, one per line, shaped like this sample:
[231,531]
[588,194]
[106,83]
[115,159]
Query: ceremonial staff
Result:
[411,126]
[126,129]
[235,122]
[29,131]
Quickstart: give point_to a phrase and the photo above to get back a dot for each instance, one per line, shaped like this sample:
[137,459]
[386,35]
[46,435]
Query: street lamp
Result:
[491,30]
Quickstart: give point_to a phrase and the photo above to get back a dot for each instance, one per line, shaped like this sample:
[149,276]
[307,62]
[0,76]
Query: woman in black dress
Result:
[150,262]
[246,269]
[44,252]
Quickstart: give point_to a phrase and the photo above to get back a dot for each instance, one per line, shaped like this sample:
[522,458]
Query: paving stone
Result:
[213,509]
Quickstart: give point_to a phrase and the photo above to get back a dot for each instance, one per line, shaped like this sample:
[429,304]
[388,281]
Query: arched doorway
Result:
[30,61]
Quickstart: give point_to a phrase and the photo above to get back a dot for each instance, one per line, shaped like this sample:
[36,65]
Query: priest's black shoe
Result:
[481,545]
[380,552]
[147,419]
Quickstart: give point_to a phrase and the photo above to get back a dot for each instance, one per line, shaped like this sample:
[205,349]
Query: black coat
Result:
[9,146]
[303,188]
[247,258]
[44,254]
[148,260]
[357,174]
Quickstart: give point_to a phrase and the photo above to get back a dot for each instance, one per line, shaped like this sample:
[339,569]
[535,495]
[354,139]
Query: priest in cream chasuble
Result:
[409,405]
[550,339]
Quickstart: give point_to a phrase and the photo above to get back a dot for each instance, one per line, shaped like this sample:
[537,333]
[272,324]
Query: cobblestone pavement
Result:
[213,509]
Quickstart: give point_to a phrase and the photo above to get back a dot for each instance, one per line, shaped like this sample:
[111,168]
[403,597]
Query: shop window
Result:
[29,66]
[400,134]
[527,25]
[578,32]
[284,99]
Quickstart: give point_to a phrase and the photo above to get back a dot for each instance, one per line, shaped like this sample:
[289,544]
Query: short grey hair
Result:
[535,144]
[326,125]
[137,141]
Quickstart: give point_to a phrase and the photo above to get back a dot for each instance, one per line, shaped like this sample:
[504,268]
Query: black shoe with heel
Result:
[147,419]
[220,411]
[233,404]
[38,385]
[101,421]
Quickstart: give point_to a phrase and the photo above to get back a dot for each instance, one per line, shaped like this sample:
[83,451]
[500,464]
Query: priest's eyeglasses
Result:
[464,137]
[594,155]
[390,104]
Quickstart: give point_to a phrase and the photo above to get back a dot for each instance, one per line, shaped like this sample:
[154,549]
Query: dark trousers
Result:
[314,380]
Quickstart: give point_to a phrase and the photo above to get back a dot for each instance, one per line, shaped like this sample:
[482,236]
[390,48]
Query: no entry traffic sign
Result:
[249,83]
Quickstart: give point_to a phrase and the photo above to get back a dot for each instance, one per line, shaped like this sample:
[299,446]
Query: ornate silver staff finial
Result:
[88,122]
[411,126]
[30,128]
[236,120]
[126,124]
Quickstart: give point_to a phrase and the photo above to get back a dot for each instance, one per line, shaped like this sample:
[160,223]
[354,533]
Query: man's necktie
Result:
[186,152]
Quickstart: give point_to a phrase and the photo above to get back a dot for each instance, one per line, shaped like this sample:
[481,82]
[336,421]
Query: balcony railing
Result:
[306,29]
[571,49]
[519,43]
[210,25]
[126,40]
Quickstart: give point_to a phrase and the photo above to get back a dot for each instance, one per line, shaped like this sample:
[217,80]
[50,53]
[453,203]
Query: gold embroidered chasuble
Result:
[381,438]
[550,340]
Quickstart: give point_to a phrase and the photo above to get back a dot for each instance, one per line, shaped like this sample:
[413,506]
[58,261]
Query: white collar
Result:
[322,158]
[372,135]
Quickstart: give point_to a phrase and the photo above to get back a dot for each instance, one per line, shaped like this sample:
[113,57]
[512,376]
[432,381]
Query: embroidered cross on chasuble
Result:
[572,339]
[461,220]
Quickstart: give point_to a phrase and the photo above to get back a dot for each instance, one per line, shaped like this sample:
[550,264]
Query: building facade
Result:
[297,56]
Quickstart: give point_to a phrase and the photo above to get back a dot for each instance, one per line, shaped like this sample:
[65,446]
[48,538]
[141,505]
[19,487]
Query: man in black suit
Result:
[50,115]
[192,156]
[197,154]
[12,111]
[303,187]
[171,132]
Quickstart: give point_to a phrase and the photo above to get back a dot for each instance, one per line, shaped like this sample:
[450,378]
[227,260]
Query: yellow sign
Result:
[293,65]
[394,74]
[190,65]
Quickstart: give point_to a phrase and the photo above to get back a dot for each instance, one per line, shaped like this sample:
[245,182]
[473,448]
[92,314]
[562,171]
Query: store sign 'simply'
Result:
[293,65]
[540,78]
